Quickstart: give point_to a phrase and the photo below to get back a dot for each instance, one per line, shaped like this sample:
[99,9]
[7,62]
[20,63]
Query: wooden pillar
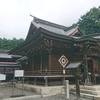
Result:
[33,64]
[4,70]
[87,70]
[63,73]
[77,87]
[33,70]
[95,69]
[87,80]
[41,62]
[49,59]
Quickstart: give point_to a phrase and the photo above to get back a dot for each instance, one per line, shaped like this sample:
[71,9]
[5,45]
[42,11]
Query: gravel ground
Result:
[6,92]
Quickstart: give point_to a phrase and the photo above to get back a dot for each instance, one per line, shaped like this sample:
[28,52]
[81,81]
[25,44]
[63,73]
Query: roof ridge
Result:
[38,20]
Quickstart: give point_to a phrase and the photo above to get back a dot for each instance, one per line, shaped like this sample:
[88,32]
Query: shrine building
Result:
[49,48]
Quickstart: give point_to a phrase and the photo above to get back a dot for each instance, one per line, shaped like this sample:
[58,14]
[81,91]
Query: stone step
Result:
[94,87]
[87,96]
[87,91]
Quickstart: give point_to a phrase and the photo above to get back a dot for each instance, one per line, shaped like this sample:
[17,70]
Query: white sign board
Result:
[63,71]
[19,73]
[2,77]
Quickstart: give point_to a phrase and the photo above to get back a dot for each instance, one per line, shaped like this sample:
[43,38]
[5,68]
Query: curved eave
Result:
[39,36]
[22,45]
[43,34]
[57,37]
[67,39]
[83,39]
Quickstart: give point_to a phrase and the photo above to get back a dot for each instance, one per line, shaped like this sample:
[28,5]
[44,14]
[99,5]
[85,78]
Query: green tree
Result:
[8,44]
[90,22]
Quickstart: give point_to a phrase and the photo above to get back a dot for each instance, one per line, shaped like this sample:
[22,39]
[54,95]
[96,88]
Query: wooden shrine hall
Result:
[47,45]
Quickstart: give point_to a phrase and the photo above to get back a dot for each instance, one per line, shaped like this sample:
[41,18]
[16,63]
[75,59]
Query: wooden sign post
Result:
[63,61]
[18,73]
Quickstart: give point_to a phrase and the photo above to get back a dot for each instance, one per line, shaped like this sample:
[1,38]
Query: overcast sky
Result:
[15,14]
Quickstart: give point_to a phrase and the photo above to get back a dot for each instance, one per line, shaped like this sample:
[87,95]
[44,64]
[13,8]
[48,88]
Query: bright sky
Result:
[15,14]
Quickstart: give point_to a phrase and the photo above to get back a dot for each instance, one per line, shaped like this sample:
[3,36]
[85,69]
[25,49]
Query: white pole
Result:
[66,89]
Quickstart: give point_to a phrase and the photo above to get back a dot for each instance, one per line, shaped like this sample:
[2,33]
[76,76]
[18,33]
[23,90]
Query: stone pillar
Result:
[66,89]
[46,81]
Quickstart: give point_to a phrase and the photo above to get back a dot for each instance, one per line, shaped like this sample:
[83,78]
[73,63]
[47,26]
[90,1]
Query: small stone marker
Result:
[66,89]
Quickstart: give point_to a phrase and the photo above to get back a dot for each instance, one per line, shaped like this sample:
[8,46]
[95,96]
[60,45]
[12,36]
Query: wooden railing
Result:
[43,72]
[48,72]
[7,72]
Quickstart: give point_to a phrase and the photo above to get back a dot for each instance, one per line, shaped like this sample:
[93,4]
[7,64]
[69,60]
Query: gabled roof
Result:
[52,27]
[40,30]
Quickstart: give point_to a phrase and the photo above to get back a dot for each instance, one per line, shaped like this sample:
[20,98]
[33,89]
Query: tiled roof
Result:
[10,64]
[5,55]
[52,27]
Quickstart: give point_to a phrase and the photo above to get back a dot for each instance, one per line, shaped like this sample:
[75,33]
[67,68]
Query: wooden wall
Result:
[55,65]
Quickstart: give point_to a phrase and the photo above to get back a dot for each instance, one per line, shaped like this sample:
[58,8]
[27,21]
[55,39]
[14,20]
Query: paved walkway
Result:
[6,92]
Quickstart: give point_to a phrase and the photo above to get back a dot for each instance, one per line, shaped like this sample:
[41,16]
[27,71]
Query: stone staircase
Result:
[88,92]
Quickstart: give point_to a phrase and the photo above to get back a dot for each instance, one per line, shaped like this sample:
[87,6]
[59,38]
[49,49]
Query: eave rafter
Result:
[89,48]
[45,44]
[95,48]
[23,53]
[35,49]
[82,47]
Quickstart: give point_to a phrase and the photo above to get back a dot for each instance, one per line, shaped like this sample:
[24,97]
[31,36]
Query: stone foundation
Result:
[42,90]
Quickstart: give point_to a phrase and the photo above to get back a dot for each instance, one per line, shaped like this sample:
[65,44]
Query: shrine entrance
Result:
[91,71]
